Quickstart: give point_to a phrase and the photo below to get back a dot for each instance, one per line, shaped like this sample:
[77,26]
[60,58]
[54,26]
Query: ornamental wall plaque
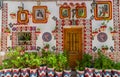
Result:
[46,36]
[102,37]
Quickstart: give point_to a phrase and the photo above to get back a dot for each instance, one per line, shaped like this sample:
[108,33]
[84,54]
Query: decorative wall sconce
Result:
[113,33]
[54,32]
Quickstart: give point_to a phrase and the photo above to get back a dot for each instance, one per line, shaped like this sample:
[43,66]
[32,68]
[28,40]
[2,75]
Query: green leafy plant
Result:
[51,60]
[103,62]
[1,67]
[61,62]
[34,61]
[7,64]
[85,62]
[117,66]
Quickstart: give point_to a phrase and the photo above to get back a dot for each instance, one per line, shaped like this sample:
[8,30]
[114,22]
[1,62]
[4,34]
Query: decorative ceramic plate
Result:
[102,37]
[46,36]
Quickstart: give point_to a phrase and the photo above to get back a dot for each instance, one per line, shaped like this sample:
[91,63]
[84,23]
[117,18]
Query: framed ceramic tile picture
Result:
[22,17]
[64,12]
[39,14]
[81,12]
[103,10]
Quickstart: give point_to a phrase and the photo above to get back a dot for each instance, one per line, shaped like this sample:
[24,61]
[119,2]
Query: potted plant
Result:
[60,65]
[42,70]
[51,62]
[79,69]
[46,47]
[104,48]
[13,15]
[85,64]
[34,63]
[7,65]
[113,32]
[67,69]
[1,71]
[104,63]
[104,25]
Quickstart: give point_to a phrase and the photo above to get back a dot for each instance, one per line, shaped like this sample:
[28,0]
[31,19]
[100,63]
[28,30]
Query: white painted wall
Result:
[49,26]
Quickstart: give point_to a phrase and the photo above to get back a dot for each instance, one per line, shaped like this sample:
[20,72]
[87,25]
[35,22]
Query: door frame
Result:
[82,35]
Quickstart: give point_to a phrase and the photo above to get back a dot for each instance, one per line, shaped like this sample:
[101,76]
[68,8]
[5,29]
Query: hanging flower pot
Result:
[48,14]
[12,15]
[33,72]
[98,73]
[42,71]
[103,28]
[7,73]
[80,73]
[24,72]
[113,33]
[16,72]
[50,72]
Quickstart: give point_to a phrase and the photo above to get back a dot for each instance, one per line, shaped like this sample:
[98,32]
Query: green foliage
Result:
[103,62]
[1,67]
[61,62]
[51,60]
[117,66]
[7,63]
[44,57]
[85,62]
[34,61]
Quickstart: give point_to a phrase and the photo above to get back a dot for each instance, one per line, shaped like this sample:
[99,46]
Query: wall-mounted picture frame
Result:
[39,14]
[22,17]
[103,10]
[81,12]
[64,12]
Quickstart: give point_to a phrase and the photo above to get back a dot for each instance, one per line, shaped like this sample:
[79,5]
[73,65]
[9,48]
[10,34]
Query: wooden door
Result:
[73,44]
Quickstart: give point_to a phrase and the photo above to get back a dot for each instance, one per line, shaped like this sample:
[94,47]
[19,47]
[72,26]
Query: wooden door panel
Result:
[73,44]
